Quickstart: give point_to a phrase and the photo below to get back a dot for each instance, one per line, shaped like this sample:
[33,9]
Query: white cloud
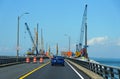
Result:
[104,47]
[104,41]
[97,40]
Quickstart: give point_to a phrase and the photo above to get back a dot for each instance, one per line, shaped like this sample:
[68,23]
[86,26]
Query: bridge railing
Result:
[107,72]
[10,59]
[14,59]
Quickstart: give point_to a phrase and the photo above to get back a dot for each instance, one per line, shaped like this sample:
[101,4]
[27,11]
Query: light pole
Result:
[69,42]
[69,38]
[18,34]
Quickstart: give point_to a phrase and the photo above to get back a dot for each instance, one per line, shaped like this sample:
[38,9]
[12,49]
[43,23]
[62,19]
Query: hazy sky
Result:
[58,18]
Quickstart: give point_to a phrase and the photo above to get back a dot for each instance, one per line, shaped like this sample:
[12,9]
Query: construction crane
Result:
[57,49]
[36,33]
[31,38]
[42,43]
[79,48]
[35,39]
[84,24]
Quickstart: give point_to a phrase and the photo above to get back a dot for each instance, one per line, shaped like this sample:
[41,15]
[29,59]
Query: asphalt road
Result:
[57,72]
[15,71]
[41,71]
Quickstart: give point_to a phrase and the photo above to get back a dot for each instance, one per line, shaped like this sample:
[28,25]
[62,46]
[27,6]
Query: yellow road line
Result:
[33,70]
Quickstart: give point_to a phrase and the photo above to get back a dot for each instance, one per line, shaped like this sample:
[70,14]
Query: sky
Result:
[59,20]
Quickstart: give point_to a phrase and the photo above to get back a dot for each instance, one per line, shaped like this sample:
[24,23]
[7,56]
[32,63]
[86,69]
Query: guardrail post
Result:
[119,73]
[101,71]
[93,67]
[105,72]
[97,69]
[111,73]
[90,66]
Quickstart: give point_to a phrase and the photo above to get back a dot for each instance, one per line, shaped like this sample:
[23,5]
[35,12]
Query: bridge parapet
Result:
[11,60]
[107,72]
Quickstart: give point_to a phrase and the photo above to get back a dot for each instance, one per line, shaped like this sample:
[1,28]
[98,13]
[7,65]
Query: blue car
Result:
[57,60]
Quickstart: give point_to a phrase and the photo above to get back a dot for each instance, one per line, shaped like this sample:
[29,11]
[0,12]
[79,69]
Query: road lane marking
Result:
[34,70]
[75,70]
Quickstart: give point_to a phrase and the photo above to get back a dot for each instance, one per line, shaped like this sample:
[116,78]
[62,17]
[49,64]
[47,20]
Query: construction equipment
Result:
[77,53]
[31,38]
[84,23]
[83,30]
[35,39]
[36,34]
[57,49]
[42,43]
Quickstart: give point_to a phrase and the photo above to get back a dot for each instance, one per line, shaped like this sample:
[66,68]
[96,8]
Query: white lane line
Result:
[75,70]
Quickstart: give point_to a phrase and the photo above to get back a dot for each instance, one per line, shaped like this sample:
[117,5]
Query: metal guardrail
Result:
[14,59]
[107,72]
[10,59]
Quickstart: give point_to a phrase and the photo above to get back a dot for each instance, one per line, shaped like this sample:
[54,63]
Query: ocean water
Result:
[108,61]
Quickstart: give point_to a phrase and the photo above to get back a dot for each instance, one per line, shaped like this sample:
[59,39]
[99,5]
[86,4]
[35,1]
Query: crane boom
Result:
[84,21]
[31,38]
